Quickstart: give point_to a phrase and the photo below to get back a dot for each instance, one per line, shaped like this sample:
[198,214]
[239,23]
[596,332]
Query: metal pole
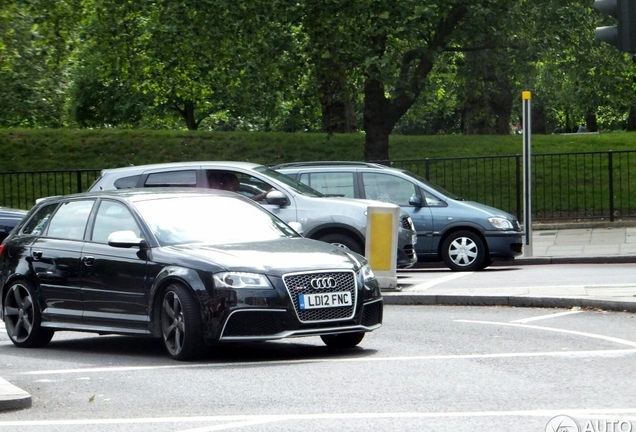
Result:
[526,96]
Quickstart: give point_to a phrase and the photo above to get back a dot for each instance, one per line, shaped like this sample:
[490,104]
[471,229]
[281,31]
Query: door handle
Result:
[37,255]
[88,260]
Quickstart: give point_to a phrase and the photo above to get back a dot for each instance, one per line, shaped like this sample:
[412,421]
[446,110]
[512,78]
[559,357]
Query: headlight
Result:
[371,285]
[500,222]
[241,280]
[367,273]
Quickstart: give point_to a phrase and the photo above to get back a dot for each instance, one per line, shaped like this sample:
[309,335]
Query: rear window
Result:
[36,225]
[127,182]
[172,178]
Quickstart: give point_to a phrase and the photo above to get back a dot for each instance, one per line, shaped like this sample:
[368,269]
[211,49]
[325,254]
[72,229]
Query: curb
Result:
[12,397]
[540,260]
[401,299]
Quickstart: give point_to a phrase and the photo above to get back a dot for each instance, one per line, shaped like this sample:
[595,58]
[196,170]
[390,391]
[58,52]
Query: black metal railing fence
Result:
[20,189]
[565,186]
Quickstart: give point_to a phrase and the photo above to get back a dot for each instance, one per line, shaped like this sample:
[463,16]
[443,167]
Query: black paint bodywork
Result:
[95,287]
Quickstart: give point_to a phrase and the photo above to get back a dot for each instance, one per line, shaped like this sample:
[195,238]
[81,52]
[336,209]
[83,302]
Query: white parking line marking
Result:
[586,353]
[552,329]
[432,283]
[555,315]
[626,413]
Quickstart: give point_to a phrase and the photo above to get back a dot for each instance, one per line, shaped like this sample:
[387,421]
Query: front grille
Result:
[372,314]
[407,223]
[254,323]
[300,283]
[409,251]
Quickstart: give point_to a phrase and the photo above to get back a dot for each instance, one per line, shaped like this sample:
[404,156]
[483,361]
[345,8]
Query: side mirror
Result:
[276,198]
[415,201]
[125,239]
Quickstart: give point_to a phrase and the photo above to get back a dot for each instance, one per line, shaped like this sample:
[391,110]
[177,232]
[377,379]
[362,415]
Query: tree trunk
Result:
[539,119]
[378,122]
[187,113]
[631,120]
[590,122]
[381,113]
[488,95]
[338,115]
[188,116]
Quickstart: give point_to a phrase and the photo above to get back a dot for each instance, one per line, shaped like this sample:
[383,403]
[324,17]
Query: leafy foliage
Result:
[378,66]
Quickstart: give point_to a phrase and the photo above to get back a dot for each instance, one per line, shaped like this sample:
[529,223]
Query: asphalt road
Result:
[553,278]
[427,368]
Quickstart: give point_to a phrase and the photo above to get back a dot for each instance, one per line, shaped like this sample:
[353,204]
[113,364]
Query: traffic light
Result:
[622,35]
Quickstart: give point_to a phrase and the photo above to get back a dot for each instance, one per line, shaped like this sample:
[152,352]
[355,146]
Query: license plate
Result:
[325,300]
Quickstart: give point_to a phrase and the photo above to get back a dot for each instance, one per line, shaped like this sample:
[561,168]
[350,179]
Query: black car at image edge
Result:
[189,266]
[9,218]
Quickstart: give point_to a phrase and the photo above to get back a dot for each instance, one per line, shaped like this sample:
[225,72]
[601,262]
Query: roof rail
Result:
[327,163]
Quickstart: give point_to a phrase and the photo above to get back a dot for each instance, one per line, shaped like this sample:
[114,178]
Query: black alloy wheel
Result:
[181,323]
[343,340]
[23,318]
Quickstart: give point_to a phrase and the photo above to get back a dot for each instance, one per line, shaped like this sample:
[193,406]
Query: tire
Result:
[464,251]
[344,241]
[344,340]
[181,325]
[23,317]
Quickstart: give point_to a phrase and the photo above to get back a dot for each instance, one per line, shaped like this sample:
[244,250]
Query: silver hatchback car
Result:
[339,221]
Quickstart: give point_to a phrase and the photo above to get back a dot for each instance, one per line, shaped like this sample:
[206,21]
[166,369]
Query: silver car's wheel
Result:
[181,324]
[23,318]
[464,251]
[343,241]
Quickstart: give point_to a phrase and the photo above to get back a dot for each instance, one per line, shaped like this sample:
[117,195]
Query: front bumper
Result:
[256,324]
[504,245]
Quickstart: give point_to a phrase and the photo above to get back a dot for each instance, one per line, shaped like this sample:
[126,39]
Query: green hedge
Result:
[49,149]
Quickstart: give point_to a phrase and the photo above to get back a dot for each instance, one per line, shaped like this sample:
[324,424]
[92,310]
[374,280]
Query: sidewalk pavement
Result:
[605,243]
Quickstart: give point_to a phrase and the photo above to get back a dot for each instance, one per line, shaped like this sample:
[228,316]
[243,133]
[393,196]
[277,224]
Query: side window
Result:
[388,188]
[432,200]
[127,182]
[172,178]
[247,185]
[331,184]
[69,221]
[112,216]
[36,225]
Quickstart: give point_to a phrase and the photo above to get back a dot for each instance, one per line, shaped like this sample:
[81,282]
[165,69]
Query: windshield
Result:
[211,220]
[433,186]
[294,184]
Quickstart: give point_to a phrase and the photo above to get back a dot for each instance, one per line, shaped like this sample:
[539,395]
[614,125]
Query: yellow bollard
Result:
[381,246]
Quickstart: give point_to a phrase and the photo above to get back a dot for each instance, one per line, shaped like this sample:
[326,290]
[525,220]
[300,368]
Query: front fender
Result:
[188,277]
[321,230]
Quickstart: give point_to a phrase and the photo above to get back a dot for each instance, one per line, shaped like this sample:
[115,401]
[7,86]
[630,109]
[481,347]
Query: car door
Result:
[55,256]
[115,288]
[397,190]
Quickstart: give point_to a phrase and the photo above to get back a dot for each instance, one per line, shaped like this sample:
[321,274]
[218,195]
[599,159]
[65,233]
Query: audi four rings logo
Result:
[323,282]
